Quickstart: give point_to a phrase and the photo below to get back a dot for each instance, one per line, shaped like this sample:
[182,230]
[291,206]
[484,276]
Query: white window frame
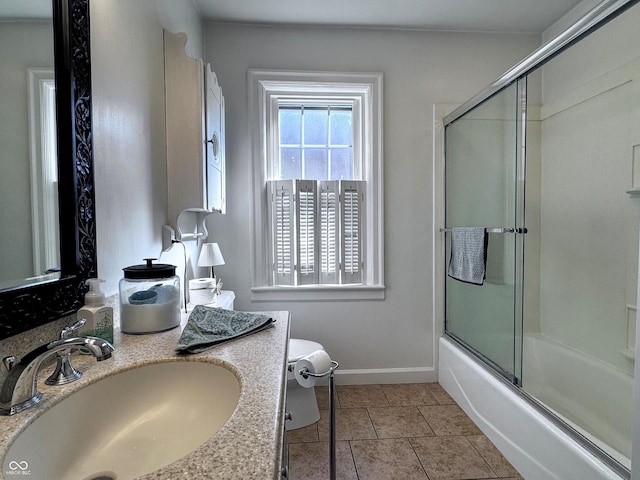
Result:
[266,88]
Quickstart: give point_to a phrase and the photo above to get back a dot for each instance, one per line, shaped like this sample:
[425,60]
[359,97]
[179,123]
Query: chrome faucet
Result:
[20,391]
[65,372]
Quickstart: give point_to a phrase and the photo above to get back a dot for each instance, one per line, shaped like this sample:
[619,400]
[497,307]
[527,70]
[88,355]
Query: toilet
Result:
[301,402]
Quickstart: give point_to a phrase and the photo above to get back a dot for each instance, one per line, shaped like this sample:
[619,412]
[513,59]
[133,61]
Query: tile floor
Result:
[385,432]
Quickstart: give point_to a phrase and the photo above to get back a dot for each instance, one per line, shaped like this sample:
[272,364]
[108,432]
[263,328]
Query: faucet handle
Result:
[70,328]
[9,362]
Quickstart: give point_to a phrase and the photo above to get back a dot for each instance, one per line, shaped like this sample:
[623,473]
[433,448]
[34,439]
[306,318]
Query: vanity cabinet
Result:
[195,143]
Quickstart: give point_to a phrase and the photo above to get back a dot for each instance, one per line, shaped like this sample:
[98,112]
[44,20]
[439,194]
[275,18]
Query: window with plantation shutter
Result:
[326,228]
[317,179]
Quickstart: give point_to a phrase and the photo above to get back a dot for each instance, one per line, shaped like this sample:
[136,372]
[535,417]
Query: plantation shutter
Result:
[282,228]
[352,213]
[306,217]
[328,215]
[316,231]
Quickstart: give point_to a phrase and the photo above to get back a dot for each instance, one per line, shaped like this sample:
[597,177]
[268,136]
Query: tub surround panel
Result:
[590,393]
[590,120]
[248,446]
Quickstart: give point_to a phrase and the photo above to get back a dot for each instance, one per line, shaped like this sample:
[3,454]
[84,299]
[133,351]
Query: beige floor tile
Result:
[440,394]
[303,435]
[355,396]
[310,461]
[322,396]
[351,424]
[386,459]
[451,457]
[408,394]
[387,432]
[399,422]
[492,456]
[448,420]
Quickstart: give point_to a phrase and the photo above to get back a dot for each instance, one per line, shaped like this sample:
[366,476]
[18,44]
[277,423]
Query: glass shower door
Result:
[483,184]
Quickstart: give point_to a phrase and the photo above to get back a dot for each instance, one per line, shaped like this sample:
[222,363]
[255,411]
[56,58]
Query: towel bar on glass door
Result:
[496,230]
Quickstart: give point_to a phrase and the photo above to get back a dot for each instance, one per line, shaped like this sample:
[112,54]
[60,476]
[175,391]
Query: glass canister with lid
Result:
[149,298]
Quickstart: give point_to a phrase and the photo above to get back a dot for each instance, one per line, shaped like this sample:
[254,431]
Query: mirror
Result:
[28,163]
[36,300]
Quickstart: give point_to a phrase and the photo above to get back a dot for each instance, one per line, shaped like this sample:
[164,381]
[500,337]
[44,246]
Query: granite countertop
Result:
[248,446]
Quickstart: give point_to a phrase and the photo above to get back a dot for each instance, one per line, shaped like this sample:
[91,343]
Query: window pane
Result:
[290,126]
[341,127]
[290,163]
[341,164]
[316,127]
[316,164]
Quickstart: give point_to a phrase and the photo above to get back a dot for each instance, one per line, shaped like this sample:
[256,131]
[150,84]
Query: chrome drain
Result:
[102,475]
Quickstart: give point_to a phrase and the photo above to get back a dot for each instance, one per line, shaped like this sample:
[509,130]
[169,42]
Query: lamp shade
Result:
[210,255]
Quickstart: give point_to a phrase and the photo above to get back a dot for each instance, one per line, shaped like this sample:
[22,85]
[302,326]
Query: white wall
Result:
[382,338]
[128,124]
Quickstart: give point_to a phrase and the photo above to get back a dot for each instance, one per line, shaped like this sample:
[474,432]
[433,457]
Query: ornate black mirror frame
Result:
[30,306]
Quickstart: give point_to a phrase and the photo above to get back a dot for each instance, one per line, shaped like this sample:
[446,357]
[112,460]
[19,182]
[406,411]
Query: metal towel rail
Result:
[496,230]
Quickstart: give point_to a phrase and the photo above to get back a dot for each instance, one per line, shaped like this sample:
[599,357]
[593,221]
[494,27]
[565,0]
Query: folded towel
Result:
[497,266]
[208,326]
[468,254]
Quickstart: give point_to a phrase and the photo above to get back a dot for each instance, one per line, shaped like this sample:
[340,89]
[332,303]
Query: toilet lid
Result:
[301,348]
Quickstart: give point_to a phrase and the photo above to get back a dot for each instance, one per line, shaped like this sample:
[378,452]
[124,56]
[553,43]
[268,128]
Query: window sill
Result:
[317,293]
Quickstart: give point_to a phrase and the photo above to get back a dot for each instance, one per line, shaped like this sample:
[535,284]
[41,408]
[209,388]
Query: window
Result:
[317,185]
[315,203]
[315,142]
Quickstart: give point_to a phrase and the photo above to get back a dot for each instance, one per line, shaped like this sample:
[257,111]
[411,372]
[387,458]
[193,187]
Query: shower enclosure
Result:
[547,161]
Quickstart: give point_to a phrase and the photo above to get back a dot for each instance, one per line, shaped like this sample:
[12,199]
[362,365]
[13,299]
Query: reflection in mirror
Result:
[28,164]
[44,171]
[63,234]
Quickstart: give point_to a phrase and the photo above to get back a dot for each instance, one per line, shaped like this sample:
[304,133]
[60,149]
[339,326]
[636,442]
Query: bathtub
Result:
[534,444]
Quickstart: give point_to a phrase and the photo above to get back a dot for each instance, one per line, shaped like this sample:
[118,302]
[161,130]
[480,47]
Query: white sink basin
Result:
[128,424]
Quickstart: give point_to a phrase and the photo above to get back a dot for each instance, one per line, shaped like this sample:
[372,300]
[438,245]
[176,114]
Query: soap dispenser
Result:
[99,317]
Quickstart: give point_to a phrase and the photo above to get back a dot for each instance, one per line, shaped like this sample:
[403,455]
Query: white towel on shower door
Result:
[468,254]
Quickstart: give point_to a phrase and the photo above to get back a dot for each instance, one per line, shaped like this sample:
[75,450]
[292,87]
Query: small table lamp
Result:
[210,256]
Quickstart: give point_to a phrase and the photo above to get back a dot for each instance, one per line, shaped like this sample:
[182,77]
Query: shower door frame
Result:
[604,12]
[515,227]
[445,114]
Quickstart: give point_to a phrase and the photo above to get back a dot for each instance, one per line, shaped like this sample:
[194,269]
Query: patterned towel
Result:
[468,254]
[207,327]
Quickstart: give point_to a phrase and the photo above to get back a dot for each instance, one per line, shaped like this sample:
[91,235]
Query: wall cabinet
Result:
[194,138]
